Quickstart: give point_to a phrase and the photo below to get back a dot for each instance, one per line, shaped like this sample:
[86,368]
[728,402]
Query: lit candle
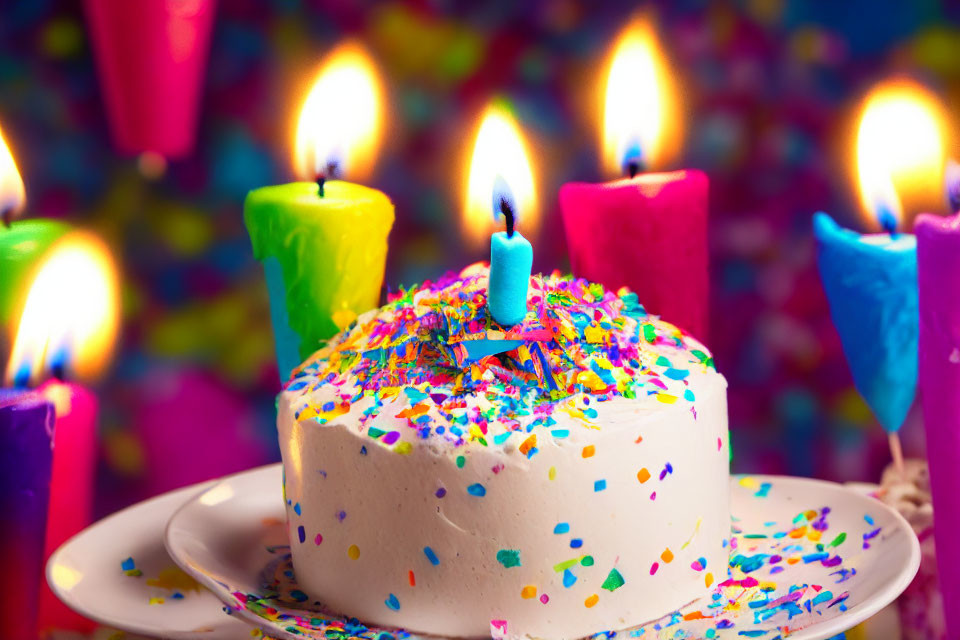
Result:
[871,280]
[67,325]
[938,270]
[26,454]
[500,179]
[646,231]
[871,286]
[22,242]
[323,243]
[511,260]
[60,308]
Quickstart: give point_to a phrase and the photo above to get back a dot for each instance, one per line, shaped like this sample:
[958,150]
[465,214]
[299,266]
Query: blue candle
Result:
[871,286]
[511,259]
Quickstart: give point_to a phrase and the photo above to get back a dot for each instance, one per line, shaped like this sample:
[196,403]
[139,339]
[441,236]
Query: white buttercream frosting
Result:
[440,490]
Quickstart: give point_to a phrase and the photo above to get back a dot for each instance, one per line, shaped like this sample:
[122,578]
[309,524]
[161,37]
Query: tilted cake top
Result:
[435,357]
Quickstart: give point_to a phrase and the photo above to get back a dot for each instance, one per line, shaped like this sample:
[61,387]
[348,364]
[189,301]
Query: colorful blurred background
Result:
[770,91]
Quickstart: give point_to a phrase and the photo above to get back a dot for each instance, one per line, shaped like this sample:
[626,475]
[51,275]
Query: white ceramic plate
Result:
[232,539]
[87,574]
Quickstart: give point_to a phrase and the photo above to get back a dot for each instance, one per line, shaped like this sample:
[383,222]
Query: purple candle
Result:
[938,271]
[26,455]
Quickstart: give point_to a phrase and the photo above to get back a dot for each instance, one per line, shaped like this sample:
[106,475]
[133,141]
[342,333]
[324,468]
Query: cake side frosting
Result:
[572,483]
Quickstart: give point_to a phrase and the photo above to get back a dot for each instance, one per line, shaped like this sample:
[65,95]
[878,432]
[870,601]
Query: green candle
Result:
[324,259]
[323,243]
[22,246]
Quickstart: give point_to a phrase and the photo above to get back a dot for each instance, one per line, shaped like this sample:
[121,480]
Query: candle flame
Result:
[71,313]
[12,194]
[640,119]
[899,148]
[499,171]
[340,122]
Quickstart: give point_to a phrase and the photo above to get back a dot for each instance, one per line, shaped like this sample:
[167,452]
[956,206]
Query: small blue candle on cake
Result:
[500,195]
[511,259]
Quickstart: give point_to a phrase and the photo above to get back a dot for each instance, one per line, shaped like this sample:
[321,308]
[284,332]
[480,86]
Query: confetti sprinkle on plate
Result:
[118,573]
[809,559]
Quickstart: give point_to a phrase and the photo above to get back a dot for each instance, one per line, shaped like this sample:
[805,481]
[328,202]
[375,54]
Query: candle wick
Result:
[21,378]
[7,216]
[507,212]
[887,220]
[58,371]
[330,171]
[889,224]
[632,159]
[954,199]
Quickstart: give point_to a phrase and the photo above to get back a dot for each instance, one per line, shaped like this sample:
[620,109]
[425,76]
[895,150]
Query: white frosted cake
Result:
[561,478]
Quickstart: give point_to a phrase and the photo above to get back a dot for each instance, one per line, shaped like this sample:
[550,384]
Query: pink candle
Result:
[71,486]
[938,271]
[151,57]
[648,233]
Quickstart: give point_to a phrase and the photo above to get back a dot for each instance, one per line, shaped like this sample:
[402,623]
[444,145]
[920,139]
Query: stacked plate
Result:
[809,559]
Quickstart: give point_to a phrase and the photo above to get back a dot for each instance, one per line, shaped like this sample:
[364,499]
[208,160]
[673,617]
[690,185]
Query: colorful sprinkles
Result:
[477,489]
[171,579]
[614,581]
[129,568]
[508,558]
[463,380]
[431,556]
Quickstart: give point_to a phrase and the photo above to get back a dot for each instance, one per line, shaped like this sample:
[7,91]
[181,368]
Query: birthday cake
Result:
[559,478]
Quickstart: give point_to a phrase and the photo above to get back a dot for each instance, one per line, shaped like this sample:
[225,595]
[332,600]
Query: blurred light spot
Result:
[151,165]
[123,453]
[61,38]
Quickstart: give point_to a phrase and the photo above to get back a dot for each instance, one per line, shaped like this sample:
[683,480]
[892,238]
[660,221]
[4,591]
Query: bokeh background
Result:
[770,91]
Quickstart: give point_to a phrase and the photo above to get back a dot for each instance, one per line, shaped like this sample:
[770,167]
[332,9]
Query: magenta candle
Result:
[938,271]
[151,58]
[71,486]
[648,233]
[26,456]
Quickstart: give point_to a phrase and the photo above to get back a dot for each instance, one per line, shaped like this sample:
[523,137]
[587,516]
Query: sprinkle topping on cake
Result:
[462,377]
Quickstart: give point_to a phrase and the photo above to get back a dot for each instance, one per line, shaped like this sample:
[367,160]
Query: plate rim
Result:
[816,631]
[65,595]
